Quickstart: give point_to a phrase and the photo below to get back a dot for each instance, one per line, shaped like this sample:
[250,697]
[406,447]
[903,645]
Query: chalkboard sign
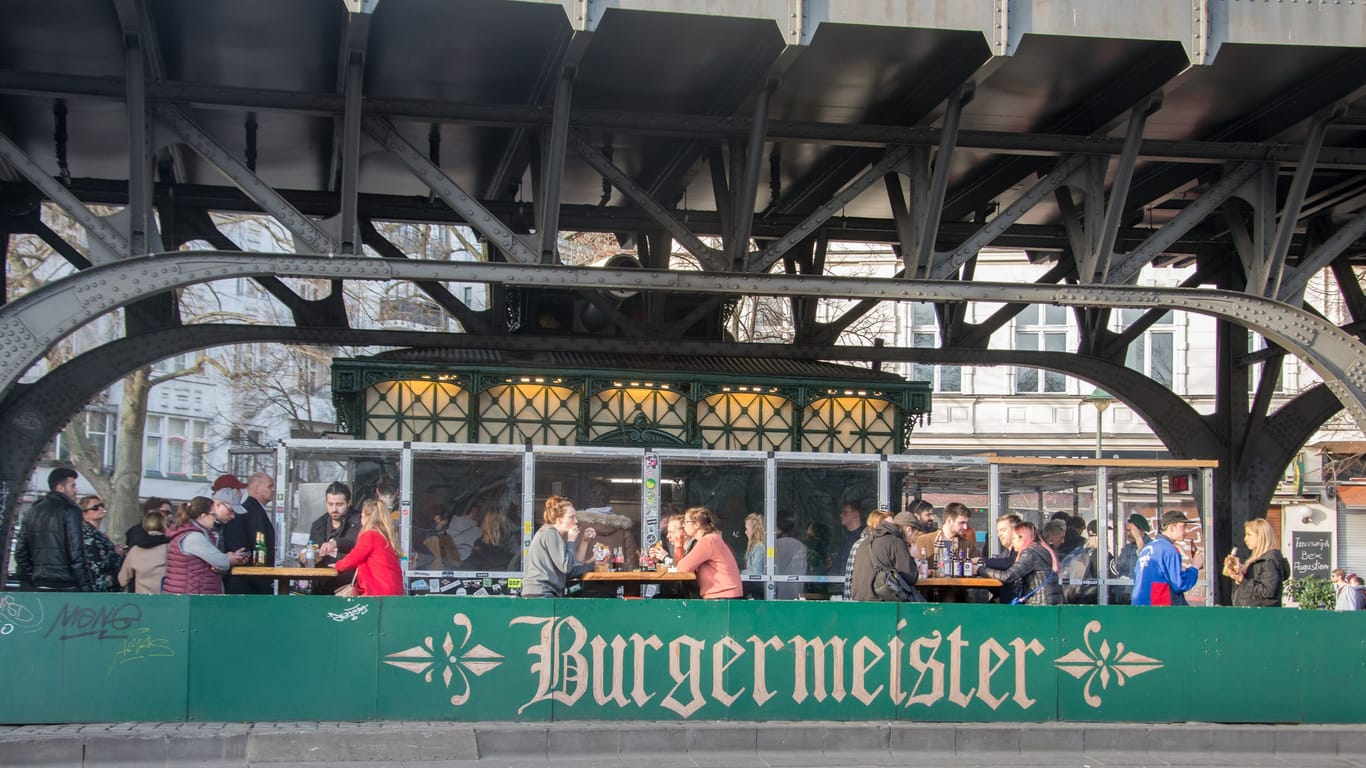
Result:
[1312,554]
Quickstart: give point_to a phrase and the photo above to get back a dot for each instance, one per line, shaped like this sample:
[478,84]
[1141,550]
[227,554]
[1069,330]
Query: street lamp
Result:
[1101,400]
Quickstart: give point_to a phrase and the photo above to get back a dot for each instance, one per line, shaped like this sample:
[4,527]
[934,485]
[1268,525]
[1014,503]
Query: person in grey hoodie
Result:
[553,559]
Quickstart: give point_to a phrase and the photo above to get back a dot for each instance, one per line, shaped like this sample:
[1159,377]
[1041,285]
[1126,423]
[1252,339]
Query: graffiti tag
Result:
[141,645]
[77,621]
[15,615]
[350,614]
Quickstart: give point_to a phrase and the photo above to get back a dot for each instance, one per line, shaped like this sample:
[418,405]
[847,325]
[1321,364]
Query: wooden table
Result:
[953,589]
[283,576]
[604,583]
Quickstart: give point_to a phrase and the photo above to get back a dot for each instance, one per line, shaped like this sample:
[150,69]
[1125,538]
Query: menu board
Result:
[1311,554]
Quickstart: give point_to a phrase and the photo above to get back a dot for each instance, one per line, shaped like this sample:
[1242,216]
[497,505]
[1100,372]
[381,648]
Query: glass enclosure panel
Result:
[939,484]
[606,491]
[732,489]
[1149,495]
[467,514]
[368,471]
[815,495]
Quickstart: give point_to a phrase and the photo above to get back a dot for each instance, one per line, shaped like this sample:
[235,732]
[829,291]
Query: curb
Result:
[237,744]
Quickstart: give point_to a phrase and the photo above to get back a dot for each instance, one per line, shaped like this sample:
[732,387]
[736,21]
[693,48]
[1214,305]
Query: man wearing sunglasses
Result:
[50,554]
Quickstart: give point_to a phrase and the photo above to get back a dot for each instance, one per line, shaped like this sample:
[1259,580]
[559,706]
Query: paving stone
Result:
[916,738]
[223,748]
[1051,738]
[288,746]
[124,749]
[840,738]
[972,739]
[514,740]
[1257,740]
[740,739]
[1301,741]
[788,737]
[1124,739]
[41,751]
[653,739]
[1163,739]
[1352,743]
[589,740]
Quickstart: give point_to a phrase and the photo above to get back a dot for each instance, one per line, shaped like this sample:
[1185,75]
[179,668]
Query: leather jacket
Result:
[50,553]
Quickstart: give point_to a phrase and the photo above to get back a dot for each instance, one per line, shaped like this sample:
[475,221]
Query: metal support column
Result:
[139,163]
[553,168]
[743,198]
[1119,192]
[934,203]
[1102,499]
[350,167]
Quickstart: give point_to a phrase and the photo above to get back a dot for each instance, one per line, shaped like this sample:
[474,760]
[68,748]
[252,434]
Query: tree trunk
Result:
[125,509]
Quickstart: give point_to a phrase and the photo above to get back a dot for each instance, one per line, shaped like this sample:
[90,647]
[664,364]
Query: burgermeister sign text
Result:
[574,666]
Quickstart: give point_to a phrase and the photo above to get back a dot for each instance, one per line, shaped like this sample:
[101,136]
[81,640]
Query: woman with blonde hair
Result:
[375,556]
[145,565]
[1258,581]
[756,550]
[557,552]
[718,575]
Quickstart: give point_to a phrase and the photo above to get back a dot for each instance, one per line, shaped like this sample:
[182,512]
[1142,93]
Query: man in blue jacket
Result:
[1159,578]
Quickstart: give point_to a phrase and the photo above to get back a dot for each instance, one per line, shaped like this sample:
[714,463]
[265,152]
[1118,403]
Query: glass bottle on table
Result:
[310,555]
[258,553]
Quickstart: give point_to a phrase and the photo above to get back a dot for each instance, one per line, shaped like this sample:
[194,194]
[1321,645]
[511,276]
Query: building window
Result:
[101,429]
[925,335]
[1041,327]
[175,446]
[1152,353]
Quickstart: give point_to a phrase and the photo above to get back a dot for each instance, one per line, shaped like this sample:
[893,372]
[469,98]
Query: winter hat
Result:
[227,481]
[1140,522]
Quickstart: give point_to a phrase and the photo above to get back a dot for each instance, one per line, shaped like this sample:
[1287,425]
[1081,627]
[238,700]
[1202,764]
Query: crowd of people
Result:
[192,548]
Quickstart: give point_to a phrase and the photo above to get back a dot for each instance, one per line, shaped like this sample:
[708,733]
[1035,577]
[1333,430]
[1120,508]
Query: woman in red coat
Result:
[375,555]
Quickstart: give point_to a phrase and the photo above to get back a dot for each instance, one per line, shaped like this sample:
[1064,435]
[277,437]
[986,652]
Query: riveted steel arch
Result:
[34,323]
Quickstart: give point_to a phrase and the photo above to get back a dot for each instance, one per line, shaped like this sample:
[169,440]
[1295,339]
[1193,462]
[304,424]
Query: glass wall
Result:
[467,512]
[822,501]
[731,485]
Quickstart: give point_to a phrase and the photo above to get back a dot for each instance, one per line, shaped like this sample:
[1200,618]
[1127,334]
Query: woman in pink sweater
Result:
[718,575]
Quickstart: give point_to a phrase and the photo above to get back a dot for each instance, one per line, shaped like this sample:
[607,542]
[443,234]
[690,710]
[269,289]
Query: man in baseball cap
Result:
[231,498]
[1159,578]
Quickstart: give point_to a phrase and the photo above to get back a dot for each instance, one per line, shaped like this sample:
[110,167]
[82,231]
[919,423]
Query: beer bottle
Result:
[259,553]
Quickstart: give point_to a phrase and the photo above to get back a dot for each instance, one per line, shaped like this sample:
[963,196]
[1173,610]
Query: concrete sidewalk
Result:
[680,745]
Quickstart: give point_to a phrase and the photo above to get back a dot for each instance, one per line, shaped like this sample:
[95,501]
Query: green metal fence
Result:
[130,657]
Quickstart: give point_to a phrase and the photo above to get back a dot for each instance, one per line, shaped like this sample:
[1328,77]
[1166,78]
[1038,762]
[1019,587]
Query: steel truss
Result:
[1257,213]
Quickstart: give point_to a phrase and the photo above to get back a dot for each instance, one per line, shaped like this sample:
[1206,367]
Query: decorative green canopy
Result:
[572,398]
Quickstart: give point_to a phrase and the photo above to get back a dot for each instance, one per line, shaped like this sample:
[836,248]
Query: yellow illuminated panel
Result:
[615,412]
[849,424]
[545,414]
[416,410]
[746,421]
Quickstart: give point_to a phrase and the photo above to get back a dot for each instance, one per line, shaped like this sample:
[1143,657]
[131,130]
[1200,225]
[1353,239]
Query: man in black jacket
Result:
[241,532]
[50,555]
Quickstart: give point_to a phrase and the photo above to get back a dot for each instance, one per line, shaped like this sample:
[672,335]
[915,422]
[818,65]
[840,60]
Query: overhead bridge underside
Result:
[1099,136]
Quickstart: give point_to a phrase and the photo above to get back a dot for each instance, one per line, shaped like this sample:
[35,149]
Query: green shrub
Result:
[1311,592]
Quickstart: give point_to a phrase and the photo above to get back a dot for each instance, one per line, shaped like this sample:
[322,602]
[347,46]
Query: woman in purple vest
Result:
[194,566]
